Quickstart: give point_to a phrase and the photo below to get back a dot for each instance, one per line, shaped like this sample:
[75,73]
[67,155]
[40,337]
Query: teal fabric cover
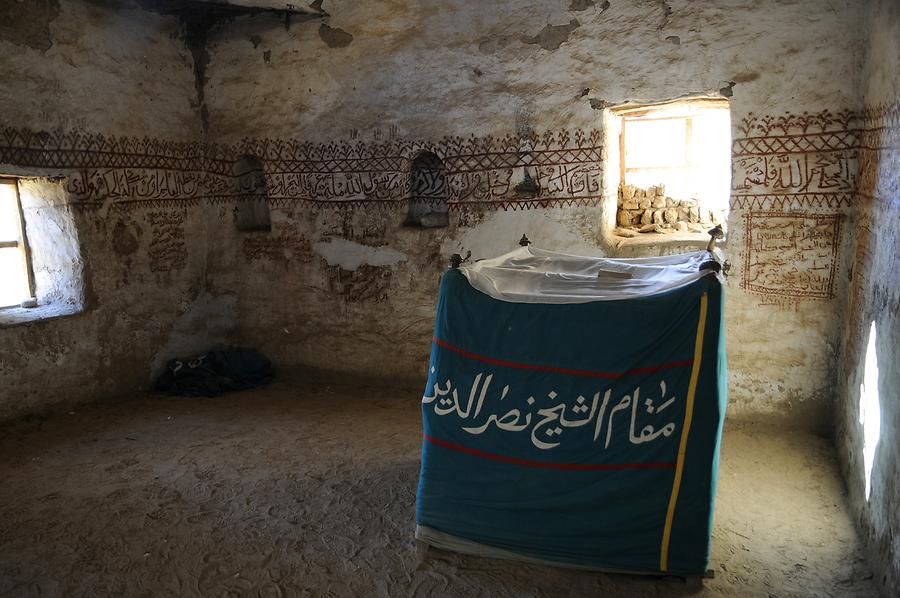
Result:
[552,431]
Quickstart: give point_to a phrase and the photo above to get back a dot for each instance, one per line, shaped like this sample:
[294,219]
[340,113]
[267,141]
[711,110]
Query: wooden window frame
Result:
[22,242]
[688,145]
[656,112]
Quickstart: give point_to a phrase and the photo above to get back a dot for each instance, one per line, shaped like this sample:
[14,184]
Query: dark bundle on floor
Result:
[216,372]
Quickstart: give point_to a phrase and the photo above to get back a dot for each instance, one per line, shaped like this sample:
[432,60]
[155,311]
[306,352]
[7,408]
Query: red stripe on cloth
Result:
[546,464]
[558,370]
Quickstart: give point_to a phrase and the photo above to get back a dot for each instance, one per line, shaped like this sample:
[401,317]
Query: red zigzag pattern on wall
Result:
[794,176]
[480,171]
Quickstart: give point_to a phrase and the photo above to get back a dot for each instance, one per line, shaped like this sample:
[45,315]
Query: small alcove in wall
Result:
[668,171]
[428,192]
[252,210]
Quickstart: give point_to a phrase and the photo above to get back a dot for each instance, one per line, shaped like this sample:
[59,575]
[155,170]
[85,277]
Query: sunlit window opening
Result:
[15,282]
[870,409]
[685,146]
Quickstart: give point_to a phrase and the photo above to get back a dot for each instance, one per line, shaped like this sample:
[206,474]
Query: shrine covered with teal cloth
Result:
[574,410]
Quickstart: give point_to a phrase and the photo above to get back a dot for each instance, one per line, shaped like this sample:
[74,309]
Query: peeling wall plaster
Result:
[350,256]
[551,37]
[109,67]
[28,28]
[337,107]
[425,70]
[334,37]
[412,65]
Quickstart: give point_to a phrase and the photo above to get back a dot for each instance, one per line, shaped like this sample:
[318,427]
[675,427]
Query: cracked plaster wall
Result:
[426,70]
[112,69]
[874,298]
[426,73]
[351,289]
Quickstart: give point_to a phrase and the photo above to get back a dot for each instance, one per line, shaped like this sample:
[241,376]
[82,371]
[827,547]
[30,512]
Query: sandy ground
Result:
[310,492]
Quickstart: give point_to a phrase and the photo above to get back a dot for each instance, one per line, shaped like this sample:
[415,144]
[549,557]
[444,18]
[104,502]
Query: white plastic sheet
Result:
[532,275]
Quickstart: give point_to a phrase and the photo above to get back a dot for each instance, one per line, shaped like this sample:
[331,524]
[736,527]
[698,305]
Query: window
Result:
[870,409]
[252,210]
[40,250]
[428,192]
[674,165]
[15,269]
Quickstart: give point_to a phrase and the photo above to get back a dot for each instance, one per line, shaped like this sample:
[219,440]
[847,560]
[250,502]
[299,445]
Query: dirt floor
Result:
[310,492]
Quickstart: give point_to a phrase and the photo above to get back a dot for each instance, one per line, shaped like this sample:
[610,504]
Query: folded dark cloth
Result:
[216,372]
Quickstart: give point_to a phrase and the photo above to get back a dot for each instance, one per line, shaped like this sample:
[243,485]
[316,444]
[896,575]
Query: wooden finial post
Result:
[712,263]
[456,260]
[715,233]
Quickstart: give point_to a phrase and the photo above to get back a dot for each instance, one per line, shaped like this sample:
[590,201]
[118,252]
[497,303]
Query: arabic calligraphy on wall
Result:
[805,163]
[168,250]
[366,283]
[796,160]
[131,172]
[794,177]
[791,254]
[286,245]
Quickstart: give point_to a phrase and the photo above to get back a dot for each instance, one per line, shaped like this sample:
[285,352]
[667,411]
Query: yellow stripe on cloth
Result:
[682,446]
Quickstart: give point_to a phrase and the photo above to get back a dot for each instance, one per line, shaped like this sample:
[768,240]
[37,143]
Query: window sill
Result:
[18,316]
[698,240]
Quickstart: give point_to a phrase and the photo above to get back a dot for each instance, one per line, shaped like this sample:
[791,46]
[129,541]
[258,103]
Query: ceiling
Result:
[301,6]
[233,7]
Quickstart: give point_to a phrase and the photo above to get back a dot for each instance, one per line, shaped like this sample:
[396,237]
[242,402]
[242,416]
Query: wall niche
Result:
[252,210]
[428,192]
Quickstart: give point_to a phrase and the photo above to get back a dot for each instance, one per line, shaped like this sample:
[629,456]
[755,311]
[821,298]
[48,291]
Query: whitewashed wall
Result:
[92,93]
[874,301]
[383,75]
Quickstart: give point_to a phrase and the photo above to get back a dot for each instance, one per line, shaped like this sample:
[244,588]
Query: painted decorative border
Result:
[802,166]
[480,171]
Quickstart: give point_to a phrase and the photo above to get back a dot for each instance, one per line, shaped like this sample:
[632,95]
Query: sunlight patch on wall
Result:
[870,409]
